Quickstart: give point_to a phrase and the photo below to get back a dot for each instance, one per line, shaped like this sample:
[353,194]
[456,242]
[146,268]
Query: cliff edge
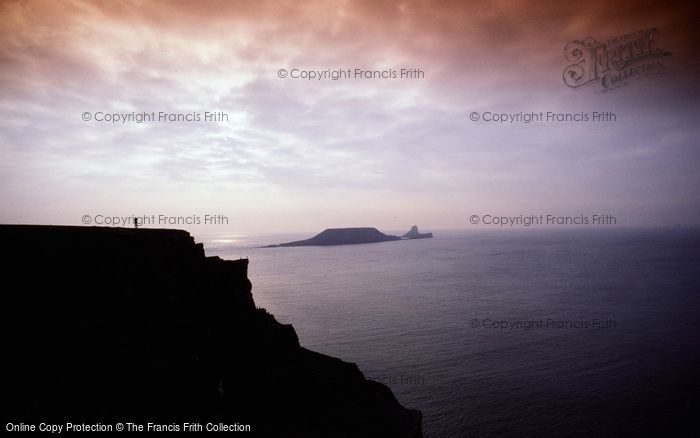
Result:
[113,324]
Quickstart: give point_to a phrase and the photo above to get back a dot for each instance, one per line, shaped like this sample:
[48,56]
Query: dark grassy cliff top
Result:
[114,324]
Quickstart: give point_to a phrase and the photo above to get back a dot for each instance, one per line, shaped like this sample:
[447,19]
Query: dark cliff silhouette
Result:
[414,234]
[115,324]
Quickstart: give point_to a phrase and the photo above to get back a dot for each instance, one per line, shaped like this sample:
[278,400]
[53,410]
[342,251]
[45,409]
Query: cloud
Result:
[298,143]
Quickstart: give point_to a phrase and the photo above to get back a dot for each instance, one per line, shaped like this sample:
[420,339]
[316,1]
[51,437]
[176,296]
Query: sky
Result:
[298,154]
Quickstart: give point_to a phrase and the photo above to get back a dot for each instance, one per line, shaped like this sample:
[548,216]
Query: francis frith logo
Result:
[613,63]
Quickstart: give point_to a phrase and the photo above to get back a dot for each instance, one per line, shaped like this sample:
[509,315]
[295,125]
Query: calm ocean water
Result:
[527,332]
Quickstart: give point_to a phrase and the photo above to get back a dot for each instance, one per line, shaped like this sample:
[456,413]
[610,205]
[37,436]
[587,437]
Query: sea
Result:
[509,332]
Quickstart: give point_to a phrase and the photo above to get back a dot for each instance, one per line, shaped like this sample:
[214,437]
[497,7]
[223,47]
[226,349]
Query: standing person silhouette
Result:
[136,223]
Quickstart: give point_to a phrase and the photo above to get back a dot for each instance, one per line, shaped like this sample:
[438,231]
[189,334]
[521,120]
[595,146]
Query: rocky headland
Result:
[414,234]
[113,324]
[351,236]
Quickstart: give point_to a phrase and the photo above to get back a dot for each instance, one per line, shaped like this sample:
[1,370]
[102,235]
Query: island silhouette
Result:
[352,236]
[414,234]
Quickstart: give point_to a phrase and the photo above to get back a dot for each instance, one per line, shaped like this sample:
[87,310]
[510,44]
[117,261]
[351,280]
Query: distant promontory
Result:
[350,236]
[414,234]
